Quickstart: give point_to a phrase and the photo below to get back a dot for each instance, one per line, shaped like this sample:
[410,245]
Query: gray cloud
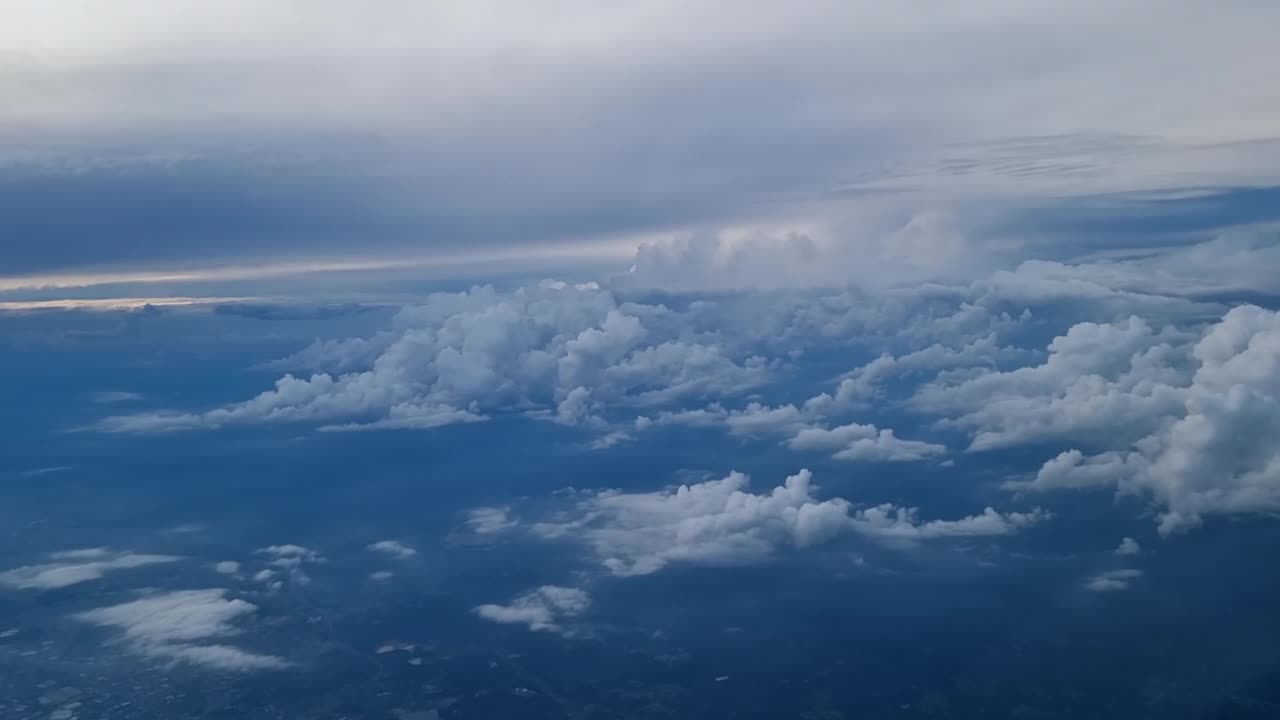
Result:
[420,128]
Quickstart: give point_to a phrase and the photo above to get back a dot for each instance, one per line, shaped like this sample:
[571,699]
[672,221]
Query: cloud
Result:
[1213,452]
[491,520]
[108,397]
[543,608]
[290,556]
[567,353]
[394,548]
[589,122]
[381,575]
[1128,546]
[1113,580]
[1101,381]
[719,522]
[864,443]
[227,567]
[177,626]
[73,567]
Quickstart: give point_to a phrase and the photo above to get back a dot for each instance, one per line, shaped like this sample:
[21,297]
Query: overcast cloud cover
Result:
[902,140]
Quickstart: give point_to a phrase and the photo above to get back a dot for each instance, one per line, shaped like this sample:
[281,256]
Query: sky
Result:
[553,315]
[288,139]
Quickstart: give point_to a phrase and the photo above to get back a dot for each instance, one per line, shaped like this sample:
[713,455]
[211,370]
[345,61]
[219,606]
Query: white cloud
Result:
[291,555]
[1214,452]
[394,548]
[864,443]
[227,567]
[381,575]
[1101,382]
[568,353]
[1128,546]
[491,520]
[543,608]
[177,626]
[719,522]
[73,567]
[109,397]
[1113,580]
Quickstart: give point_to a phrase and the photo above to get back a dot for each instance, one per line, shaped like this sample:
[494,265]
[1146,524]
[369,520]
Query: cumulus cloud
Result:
[719,522]
[227,567]
[1102,382]
[1112,580]
[491,520]
[181,627]
[286,563]
[863,442]
[287,556]
[394,548]
[566,353]
[1128,546]
[73,567]
[543,608]
[1211,452]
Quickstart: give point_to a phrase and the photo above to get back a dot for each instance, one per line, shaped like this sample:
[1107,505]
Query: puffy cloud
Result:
[892,523]
[1100,382]
[569,353]
[1112,580]
[864,442]
[73,567]
[289,556]
[176,626]
[1128,546]
[543,608]
[719,522]
[381,575]
[865,382]
[1215,451]
[1073,470]
[491,520]
[394,548]
[227,567]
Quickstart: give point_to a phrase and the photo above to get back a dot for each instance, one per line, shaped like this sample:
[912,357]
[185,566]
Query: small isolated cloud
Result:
[491,520]
[177,627]
[381,575]
[290,556]
[393,548]
[856,442]
[1128,546]
[111,397]
[719,522]
[287,561]
[541,609]
[72,567]
[227,567]
[1113,580]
